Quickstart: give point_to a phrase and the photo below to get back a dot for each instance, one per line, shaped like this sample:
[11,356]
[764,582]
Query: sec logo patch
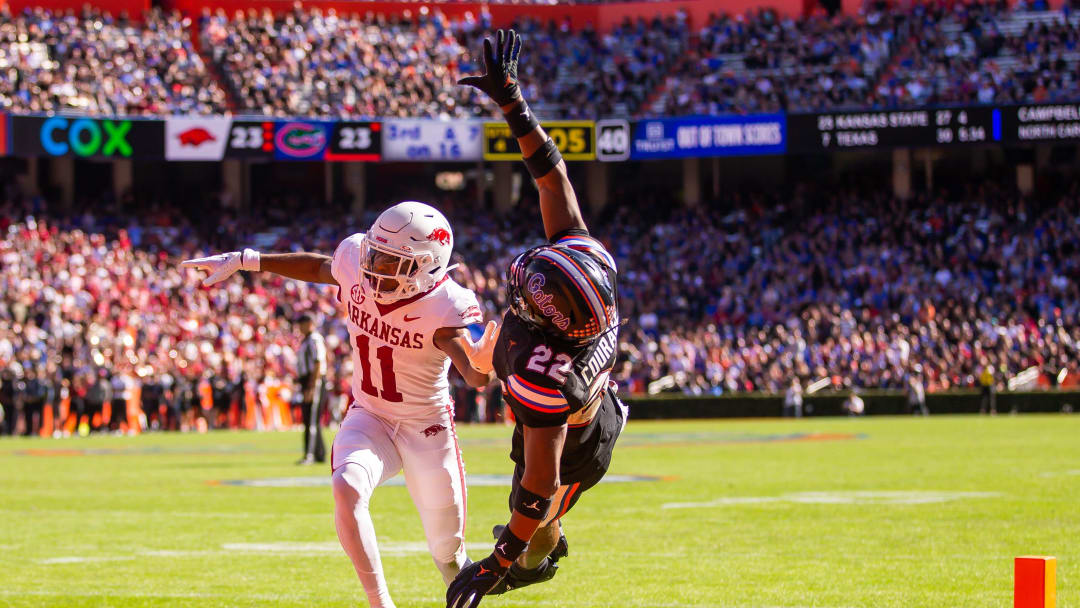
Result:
[357,294]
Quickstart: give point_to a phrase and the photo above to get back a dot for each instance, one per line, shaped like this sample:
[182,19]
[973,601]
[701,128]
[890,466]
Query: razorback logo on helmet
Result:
[544,302]
[472,311]
[442,235]
[195,137]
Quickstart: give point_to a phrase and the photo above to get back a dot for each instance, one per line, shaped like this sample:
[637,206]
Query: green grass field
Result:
[825,513]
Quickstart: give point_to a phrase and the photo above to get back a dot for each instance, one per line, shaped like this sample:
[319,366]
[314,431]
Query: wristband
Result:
[249,260]
[543,160]
[509,546]
[521,120]
[530,505]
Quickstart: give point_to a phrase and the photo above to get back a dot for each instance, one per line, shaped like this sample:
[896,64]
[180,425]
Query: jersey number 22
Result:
[538,363]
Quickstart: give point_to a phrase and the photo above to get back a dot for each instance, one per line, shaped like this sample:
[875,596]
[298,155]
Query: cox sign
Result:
[86,137]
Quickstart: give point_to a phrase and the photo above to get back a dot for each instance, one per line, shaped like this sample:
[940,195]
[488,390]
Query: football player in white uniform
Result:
[407,322]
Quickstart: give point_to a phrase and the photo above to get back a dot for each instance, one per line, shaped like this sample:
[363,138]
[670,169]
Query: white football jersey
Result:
[398,372]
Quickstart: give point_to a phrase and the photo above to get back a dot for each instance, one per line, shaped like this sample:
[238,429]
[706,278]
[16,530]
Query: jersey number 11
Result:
[385,355]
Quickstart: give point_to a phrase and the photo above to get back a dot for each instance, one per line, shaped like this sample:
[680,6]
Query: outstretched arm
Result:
[543,450]
[455,342]
[302,266]
[310,267]
[558,203]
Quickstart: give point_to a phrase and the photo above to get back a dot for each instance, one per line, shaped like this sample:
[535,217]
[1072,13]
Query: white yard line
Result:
[843,497]
[276,549]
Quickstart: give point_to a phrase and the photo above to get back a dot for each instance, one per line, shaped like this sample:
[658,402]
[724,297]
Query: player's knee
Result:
[352,484]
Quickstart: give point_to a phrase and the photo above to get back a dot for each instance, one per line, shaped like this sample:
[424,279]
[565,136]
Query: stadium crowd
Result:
[851,286]
[854,287]
[315,63]
[986,53]
[311,63]
[307,63]
[762,63]
[95,63]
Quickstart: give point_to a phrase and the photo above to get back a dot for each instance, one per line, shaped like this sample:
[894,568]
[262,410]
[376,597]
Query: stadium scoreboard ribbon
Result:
[1056,122]
[213,138]
[302,139]
[705,136]
[432,140]
[1035,584]
[815,133]
[575,139]
[196,138]
[250,139]
[355,141]
[612,140]
[87,137]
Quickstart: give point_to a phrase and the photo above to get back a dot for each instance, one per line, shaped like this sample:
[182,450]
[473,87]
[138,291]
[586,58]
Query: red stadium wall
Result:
[603,16]
[134,8]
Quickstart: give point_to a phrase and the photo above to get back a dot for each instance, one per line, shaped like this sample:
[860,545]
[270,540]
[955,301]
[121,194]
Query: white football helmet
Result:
[406,252]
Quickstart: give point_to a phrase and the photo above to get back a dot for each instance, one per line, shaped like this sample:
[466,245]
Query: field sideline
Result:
[820,512]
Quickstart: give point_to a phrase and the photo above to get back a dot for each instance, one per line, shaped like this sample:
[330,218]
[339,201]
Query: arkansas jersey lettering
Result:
[398,371]
[377,328]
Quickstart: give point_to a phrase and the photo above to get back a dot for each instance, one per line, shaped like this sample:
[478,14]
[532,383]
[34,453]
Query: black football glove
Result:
[473,582]
[500,80]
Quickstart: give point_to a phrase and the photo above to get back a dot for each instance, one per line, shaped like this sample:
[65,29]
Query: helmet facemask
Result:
[390,273]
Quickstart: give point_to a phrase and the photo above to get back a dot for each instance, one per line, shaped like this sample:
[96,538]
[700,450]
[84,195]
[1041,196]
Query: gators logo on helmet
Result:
[564,292]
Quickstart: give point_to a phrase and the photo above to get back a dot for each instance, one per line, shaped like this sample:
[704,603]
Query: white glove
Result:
[480,352]
[223,265]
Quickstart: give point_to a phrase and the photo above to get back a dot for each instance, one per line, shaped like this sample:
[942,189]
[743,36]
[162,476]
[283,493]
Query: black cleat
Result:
[560,551]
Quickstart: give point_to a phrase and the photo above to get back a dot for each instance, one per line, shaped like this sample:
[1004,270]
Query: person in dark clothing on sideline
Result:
[151,402]
[53,395]
[33,399]
[311,371]
[97,395]
[221,393]
[7,402]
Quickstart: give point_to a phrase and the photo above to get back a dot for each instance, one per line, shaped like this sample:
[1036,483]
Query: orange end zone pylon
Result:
[1035,582]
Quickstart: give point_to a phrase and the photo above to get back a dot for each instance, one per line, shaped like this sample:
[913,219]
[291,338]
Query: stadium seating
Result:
[852,286]
[97,64]
[766,64]
[310,63]
[986,54]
